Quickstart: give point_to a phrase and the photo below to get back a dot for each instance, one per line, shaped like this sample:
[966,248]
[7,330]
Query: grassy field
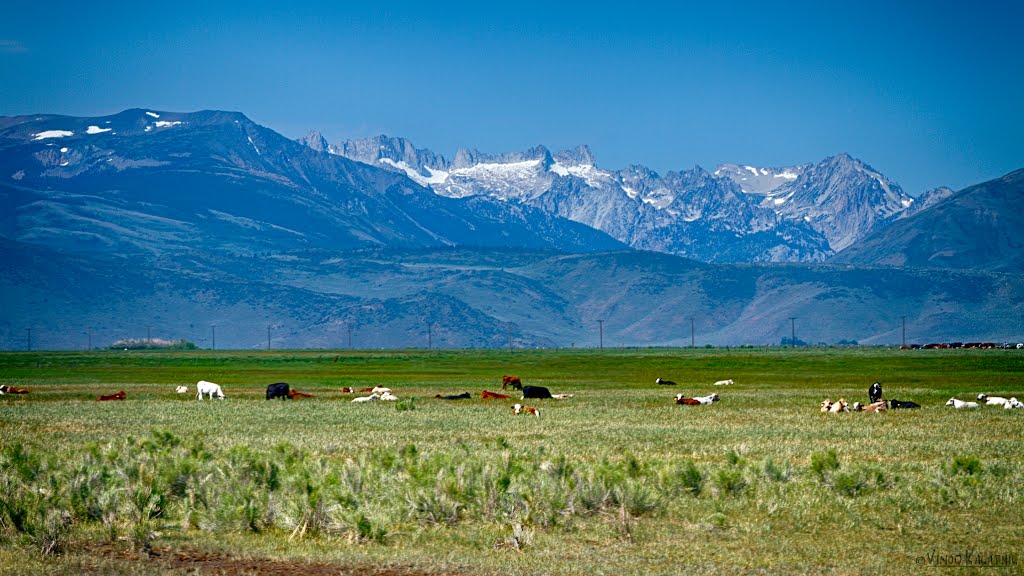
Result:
[616,480]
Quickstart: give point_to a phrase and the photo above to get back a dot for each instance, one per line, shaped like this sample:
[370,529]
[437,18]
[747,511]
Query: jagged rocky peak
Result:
[578,156]
[927,200]
[466,158]
[759,180]
[388,150]
[315,140]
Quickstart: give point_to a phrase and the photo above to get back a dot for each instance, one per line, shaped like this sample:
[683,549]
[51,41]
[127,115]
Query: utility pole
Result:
[792,338]
[268,336]
[430,336]
[904,330]
[350,336]
[29,332]
[89,336]
[509,327]
[600,327]
[148,338]
[692,345]
[213,336]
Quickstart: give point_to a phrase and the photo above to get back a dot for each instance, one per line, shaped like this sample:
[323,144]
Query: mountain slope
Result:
[977,228]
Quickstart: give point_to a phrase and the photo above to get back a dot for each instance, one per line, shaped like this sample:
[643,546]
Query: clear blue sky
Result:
[930,93]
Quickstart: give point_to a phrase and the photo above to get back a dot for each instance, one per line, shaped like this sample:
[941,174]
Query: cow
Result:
[463,396]
[388,397]
[826,405]
[278,390]
[519,409]
[562,396]
[367,389]
[293,394]
[879,406]
[835,407]
[348,390]
[370,398]
[661,382]
[208,388]
[5,389]
[728,382]
[960,404]
[1013,403]
[379,390]
[181,389]
[119,396]
[992,400]
[875,392]
[537,392]
[512,381]
[697,401]
[493,396]
[896,404]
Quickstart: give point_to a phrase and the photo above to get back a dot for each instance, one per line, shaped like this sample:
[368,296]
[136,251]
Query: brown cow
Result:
[519,409]
[5,389]
[296,394]
[119,396]
[493,395]
[514,381]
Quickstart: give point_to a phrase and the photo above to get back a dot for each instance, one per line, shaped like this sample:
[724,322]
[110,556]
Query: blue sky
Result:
[930,93]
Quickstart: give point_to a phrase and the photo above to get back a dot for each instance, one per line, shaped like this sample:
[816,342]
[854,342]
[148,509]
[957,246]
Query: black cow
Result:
[463,396]
[536,392]
[875,392]
[278,390]
[895,404]
[664,382]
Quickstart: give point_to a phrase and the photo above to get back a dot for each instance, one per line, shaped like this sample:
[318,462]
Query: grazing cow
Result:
[875,392]
[463,396]
[537,392]
[519,409]
[992,400]
[896,404]
[208,388]
[728,382]
[661,382]
[293,394]
[278,390]
[512,381]
[181,389]
[370,398]
[119,396]
[493,395]
[1013,403]
[5,389]
[959,404]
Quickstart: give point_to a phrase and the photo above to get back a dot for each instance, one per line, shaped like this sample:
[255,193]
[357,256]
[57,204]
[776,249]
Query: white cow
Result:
[371,398]
[208,388]
[388,396]
[992,400]
[1013,403]
[959,404]
[728,382]
[380,390]
[181,389]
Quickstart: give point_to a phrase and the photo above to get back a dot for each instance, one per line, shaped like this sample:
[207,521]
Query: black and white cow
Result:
[896,404]
[875,392]
[277,390]
[662,382]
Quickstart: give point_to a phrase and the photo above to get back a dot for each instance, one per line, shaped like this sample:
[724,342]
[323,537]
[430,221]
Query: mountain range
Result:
[184,221]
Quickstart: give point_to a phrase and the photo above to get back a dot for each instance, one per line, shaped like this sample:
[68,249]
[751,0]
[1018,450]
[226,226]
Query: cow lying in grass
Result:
[697,401]
[388,396]
[463,396]
[1013,403]
[209,389]
[371,398]
[836,407]
[181,389]
[728,382]
[993,400]
[896,404]
[879,406]
[661,382]
[5,389]
[960,404]
[519,409]
[119,396]
[294,394]
[493,396]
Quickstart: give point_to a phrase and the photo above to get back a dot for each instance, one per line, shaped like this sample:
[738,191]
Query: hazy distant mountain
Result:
[977,227]
[738,213]
[165,182]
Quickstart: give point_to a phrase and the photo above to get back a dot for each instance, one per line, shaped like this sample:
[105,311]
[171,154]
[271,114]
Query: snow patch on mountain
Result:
[53,134]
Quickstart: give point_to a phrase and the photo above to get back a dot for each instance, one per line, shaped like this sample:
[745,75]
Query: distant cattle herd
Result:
[284,391]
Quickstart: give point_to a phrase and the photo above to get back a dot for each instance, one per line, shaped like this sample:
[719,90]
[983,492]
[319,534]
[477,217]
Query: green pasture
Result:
[617,479]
